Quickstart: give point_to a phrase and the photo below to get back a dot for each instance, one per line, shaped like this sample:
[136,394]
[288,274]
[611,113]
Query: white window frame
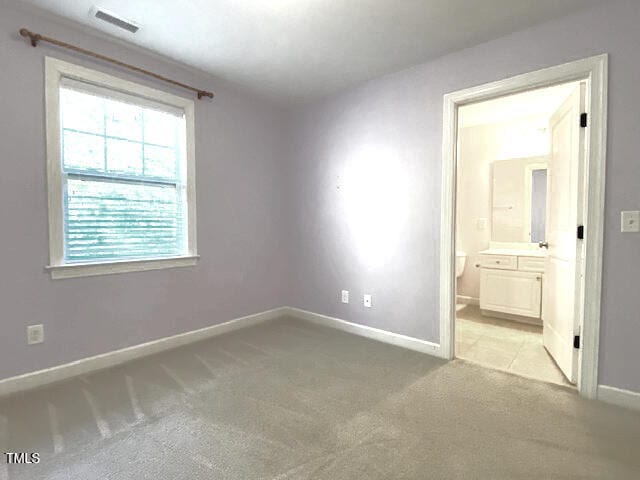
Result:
[55,71]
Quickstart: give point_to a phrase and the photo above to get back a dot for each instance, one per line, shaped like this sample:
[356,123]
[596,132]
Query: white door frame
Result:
[593,70]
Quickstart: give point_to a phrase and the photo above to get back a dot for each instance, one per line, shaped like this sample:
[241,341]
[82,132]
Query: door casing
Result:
[593,71]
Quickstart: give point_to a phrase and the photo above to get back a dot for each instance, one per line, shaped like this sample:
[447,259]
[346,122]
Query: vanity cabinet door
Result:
[513,292]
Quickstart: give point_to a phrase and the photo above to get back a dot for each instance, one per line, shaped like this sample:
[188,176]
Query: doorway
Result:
[516,211]
[535,251]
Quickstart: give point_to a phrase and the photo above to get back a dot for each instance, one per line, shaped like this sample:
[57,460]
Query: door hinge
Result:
[580,232]
[583,120]
[576,341]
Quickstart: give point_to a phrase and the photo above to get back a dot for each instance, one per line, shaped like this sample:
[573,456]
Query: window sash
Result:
[114,93]
[124,225]
[174,148]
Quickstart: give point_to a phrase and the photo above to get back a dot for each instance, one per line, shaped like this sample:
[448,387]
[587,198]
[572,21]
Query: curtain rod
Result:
[36,38]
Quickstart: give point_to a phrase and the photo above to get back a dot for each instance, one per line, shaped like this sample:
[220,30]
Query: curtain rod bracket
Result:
[36,38]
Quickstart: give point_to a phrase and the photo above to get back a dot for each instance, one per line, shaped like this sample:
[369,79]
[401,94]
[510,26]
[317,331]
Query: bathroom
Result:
[517,206]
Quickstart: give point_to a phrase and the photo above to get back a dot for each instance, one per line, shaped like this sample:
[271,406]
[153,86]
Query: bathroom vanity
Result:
[511,283]
[512,269]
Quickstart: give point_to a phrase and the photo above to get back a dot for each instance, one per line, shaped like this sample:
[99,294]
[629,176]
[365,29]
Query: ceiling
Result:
[298,50]
[540,103]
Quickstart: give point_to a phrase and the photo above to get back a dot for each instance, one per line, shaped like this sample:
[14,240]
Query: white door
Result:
[560,294]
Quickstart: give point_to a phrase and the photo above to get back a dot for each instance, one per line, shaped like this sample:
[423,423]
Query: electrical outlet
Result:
[630,221]
[35,334]
[367,300]
[345,296]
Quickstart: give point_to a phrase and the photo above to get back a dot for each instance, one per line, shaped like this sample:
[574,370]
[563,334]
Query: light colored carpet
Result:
[290,400]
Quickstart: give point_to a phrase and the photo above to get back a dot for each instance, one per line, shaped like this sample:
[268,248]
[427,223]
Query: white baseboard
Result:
[619,396]
[403,341]
[83,366]
[28,381]
[465,300]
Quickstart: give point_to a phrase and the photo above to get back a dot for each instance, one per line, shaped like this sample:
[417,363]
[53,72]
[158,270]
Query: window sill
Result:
[74,270]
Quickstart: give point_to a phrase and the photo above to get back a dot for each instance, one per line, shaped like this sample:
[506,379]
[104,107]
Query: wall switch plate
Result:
[482,223]
[35,334]
[345,296]
[367,300]
[630,221]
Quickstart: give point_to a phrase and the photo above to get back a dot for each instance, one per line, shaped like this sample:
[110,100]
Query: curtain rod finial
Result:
[34,37]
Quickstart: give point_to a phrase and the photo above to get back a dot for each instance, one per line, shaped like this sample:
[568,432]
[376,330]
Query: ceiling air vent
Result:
[116,20]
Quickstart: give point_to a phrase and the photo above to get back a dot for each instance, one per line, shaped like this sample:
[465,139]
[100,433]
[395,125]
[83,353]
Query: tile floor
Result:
[504,345]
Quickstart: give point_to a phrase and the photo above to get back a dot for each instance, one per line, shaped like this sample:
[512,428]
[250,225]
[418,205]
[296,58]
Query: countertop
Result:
[541,253]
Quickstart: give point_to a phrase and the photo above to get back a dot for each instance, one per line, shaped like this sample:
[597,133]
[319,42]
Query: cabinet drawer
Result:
[531,264]
[503,262]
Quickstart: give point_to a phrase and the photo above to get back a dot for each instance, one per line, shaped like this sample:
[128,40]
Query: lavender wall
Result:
[356,207]
[397,121]
[239,142]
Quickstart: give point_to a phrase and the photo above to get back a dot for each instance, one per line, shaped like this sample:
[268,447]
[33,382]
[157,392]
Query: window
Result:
[120,173]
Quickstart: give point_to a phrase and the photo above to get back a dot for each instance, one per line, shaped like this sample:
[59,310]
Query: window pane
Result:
[124,157]
[114,152]
[123,120]
[81,111]
[159,162]
[83,151]
[109,220]
[161,128]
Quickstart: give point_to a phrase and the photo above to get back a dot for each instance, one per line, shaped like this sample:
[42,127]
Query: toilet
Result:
[461,259]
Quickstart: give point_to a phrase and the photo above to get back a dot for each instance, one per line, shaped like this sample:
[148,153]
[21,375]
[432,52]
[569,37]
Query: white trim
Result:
[72,270]
[593,70]
[383,336]
[619,396]
[40,378]
[466,300]
[54,172]
[57,70]
[60,68]
[84,366]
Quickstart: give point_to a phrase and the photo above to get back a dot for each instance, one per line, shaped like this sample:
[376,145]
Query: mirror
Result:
[519,200]
[538,209]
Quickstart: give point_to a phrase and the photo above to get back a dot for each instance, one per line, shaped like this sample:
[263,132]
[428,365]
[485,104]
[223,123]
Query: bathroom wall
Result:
[478,147]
